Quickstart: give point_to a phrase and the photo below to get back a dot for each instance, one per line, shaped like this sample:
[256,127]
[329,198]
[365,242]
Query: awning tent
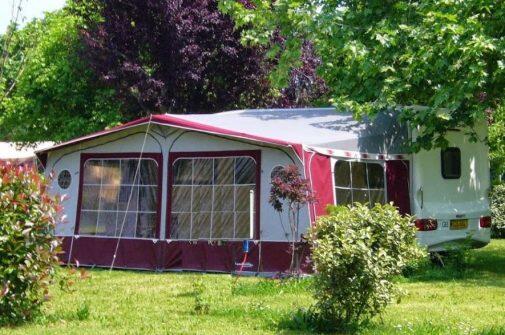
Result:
[314,136]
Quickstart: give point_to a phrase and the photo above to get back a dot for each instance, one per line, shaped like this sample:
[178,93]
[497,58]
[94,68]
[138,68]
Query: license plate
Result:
[459,224]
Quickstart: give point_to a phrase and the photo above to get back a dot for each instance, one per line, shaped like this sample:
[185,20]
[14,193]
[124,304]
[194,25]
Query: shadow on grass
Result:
[486,265]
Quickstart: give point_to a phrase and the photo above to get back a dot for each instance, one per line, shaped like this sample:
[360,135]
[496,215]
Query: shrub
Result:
[28,247]
[356,253]
[497,199]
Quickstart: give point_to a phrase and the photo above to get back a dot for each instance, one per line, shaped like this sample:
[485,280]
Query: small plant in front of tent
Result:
[28,247]
[291,190]
[201,306]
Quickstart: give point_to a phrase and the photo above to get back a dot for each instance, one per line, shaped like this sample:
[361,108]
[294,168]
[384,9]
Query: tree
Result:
[446,55]
[184,56]
[497,144]
[56,96]
[10,58]
[291,190]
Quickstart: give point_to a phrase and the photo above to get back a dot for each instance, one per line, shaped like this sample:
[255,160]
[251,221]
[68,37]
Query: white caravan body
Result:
[458,203]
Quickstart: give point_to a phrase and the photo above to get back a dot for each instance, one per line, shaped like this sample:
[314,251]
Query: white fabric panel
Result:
[69,158]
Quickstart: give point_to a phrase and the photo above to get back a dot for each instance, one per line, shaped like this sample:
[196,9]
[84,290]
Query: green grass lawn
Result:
[128,302]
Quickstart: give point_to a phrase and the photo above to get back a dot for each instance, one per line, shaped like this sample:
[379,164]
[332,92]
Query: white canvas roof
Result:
[316,127]
[319,128]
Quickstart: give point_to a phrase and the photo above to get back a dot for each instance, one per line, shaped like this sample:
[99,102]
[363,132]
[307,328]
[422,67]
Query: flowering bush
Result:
[28,248]
[290,189]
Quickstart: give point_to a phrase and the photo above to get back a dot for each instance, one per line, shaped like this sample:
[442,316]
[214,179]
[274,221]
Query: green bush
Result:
[28,248]
[357,251]
[498,211]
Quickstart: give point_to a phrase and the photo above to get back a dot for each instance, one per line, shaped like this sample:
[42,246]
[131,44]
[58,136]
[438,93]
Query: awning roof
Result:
[11,151]
[314,127]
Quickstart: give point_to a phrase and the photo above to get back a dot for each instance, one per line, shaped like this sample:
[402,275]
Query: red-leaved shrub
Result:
[28,247]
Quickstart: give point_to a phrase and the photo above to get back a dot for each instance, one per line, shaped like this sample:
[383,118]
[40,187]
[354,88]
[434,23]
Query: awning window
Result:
[211,198]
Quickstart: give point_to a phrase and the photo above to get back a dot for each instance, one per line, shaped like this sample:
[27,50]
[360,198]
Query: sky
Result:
[30,9]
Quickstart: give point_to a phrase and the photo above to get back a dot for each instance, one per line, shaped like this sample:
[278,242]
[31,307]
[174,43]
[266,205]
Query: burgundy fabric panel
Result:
[318,171]
[228,256]
[398,179]
[183,255]
[98,251]
[276,257]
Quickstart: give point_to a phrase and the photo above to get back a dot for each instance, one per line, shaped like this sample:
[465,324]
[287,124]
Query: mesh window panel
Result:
[220,189]
[360,196]
[180,227]
[245,170]
[110,199]
[147,198]
[343,196]
[242,225]
[223,198]
[201,225]
[90,197]
[106,224]
[181,199]
[130,223]
[87,223]
[242,197]
[358,175]
[202,199]
[92,172]
[148,172]
[146,225]
[128,170]
[375,175]
[363,182]
[202,171]
[183,171]
[222,225]
[342,174]
[377,196]
[111,173]
[128,198]
[223,171]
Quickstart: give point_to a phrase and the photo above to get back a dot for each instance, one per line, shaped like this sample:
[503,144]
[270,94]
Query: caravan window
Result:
[119,198]
[451,163]
[210,197]
[359,182]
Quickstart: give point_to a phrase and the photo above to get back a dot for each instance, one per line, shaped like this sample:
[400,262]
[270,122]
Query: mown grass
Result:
[438,301]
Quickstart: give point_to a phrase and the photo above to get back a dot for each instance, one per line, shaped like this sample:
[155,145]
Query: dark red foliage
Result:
[289,186]
[183,56]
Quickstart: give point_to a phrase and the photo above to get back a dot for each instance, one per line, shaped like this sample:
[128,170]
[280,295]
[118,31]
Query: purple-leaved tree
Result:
[289,189]
[184,56]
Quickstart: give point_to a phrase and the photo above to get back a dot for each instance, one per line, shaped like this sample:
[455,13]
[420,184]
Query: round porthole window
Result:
[64,179]
[276,171]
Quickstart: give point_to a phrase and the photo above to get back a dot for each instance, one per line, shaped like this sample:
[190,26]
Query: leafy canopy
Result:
[55,96]
[447,55]
[184,57]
